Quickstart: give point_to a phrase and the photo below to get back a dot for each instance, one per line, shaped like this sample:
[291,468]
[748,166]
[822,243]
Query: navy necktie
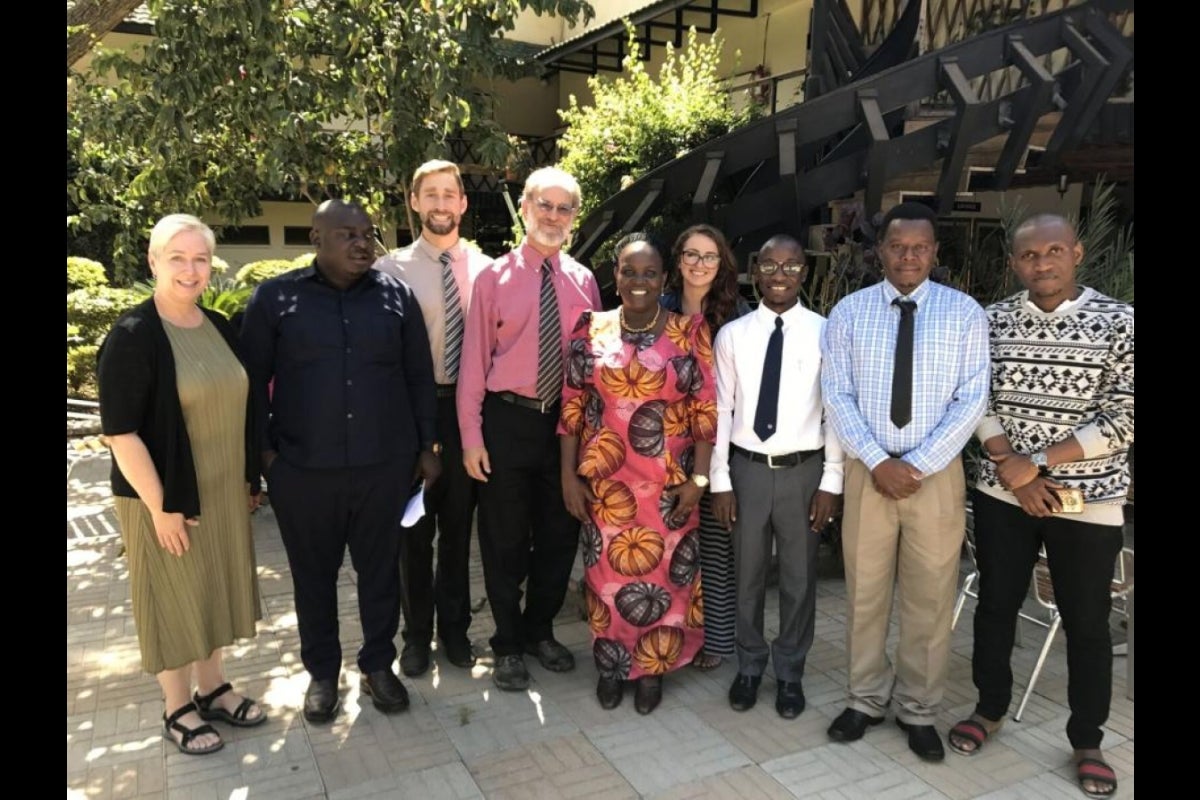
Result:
[768,390]
[902,365]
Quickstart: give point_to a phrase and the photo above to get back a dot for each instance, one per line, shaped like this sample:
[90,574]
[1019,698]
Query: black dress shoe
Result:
[743,694]
[321,700]
[789,699]
[386,691]
[924,741]
[510,673]
[458,652]
[648,694]
[414,659]
[609,692]
[552,655]
[851,725]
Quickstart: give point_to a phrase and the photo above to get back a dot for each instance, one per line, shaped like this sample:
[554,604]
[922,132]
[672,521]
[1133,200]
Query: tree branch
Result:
[89,20]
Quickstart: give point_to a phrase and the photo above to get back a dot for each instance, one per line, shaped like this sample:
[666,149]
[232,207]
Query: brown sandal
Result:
[705,661]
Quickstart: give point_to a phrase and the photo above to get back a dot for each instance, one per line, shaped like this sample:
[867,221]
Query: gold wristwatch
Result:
[700,480]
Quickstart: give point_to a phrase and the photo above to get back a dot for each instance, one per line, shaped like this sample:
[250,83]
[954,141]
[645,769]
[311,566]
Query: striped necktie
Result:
[453,319]
[550,360]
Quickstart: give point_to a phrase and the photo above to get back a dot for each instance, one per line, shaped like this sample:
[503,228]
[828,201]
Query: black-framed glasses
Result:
[694,257]
[898,250]
[790,268]
[545,206]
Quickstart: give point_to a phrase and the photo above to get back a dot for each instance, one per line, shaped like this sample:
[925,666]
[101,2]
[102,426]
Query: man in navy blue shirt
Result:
[352,428]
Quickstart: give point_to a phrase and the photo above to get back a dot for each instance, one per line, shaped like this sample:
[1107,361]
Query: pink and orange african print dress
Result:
[638,404]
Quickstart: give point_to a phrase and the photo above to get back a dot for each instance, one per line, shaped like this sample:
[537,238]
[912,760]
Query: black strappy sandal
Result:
[187,734]
[240,718]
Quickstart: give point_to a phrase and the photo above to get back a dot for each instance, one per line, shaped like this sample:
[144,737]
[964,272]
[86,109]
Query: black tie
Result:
[453,319]
[903,365]
[550,360]
[768,389]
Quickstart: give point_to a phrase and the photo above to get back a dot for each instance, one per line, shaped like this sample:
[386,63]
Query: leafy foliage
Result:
[238,99]
[638,122]
[256,272]
[84,273]
[95,310]
[81,371]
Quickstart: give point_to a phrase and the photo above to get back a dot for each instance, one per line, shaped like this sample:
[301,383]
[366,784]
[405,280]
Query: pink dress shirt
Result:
[500,345]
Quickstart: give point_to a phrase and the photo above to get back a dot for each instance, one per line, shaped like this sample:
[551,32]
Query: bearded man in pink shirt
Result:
[523,308]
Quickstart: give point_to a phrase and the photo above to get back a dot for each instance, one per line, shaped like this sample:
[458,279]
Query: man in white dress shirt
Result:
[775,472]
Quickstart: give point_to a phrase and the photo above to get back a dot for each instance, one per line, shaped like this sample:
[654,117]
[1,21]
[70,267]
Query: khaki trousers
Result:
[915,543]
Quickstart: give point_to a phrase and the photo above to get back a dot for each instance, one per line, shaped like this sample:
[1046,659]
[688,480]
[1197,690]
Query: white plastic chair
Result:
[1043,591]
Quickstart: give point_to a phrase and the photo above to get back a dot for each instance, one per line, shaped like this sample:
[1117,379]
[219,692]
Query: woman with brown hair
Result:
[174,405]
[705,281]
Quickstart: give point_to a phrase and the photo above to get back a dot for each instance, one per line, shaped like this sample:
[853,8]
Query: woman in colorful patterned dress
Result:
[638,422]
[705,281]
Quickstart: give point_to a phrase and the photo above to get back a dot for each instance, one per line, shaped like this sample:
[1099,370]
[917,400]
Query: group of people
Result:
[674,441]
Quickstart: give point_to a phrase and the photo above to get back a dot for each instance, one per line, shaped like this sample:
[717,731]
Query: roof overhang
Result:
[658,23]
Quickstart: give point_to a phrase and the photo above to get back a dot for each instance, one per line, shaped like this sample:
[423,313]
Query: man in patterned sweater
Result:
[1058,429]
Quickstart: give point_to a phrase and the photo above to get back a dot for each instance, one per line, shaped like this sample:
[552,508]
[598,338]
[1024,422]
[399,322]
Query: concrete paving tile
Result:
[664,749]
[489,721]
[567,767]
[745,783]
[831,766]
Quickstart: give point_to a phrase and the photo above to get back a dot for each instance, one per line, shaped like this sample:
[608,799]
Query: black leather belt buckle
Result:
[528,402]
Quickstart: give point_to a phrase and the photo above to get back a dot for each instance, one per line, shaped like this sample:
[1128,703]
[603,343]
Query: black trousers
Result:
[525,532]
[320,513]
[1082,558]
[449,512]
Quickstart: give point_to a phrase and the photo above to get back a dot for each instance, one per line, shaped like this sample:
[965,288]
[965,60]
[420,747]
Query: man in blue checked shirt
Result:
[905,381]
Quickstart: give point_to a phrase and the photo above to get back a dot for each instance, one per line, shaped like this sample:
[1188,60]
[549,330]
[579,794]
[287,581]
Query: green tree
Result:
[638,121]
[238,99]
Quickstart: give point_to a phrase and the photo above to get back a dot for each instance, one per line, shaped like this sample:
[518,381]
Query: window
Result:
[244,234]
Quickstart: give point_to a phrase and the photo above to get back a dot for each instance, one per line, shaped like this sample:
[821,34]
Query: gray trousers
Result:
[772,504]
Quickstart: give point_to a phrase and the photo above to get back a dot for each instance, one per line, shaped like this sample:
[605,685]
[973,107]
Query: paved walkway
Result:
[464,739]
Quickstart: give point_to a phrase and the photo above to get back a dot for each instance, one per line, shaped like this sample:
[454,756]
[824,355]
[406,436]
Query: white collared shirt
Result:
[740,350]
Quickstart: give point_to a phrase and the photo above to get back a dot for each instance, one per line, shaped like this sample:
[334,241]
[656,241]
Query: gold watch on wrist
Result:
[700,480]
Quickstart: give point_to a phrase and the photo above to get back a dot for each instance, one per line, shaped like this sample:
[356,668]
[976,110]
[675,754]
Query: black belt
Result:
[445,390]
[528,402]
[777,462]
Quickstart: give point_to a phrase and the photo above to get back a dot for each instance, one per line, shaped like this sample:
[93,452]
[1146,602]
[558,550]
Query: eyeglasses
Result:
[897,250]
[546,207]
[694,257]
[790,268]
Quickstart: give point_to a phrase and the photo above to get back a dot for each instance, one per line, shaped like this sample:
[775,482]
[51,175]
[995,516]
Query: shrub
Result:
[84,273]
[95,310]
[256,272]
[638,122]
[303,260]
[220,267]
[81,371]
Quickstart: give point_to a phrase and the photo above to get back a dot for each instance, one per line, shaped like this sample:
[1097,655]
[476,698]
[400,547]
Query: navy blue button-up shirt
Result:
[353,378]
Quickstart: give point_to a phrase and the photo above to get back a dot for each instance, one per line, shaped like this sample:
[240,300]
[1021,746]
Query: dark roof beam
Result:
[869,113]
[649,203]
[599,233]
[963,126]
[1027,112]
[708,181]
[1094,72]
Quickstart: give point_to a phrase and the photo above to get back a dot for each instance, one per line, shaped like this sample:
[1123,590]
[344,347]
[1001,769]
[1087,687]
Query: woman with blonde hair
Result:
[175,408]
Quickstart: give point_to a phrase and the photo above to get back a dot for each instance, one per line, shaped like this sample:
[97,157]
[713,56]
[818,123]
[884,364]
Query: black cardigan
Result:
[138,394]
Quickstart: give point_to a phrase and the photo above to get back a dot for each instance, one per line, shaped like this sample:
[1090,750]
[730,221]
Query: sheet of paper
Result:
[415,509]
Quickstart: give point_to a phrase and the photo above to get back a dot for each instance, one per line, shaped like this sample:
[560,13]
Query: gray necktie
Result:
[453,319]
[550,360]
